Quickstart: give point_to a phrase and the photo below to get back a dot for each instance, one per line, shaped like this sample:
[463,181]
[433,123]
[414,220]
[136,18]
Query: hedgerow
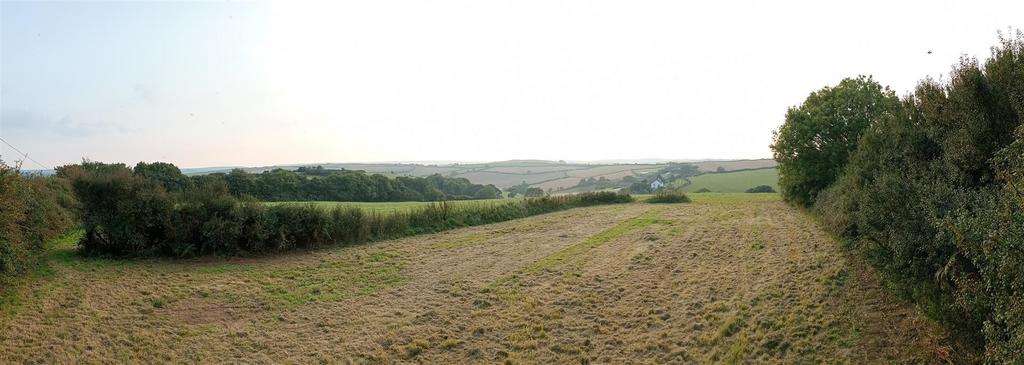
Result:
[669,196]
[125,214]
[33,210]
[932,195]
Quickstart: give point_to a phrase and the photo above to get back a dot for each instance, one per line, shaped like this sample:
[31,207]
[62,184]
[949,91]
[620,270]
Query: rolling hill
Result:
[553,175]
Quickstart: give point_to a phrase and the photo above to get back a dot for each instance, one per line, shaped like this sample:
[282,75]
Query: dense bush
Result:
[33,210]
[125,213]
[669,196]
[814,143]
[319,184]
[933,196]
[121,212]
[761,189]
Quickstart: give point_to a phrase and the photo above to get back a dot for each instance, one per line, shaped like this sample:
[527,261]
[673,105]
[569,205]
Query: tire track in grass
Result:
[577,251]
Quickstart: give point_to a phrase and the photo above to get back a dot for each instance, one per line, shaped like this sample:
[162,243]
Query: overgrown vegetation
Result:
[816,140]
[33,210]
[669,196]
[125,213]
[761,189]
[932,193]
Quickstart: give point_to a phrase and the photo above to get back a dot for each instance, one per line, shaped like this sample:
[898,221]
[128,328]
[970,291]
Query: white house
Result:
[657,183]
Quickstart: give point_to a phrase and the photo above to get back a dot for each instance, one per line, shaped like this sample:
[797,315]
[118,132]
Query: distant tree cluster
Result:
[641,187]
[761,189]
[676,170]
[597,184]
[929,187]
[319,184]
[533,192]
[519,189]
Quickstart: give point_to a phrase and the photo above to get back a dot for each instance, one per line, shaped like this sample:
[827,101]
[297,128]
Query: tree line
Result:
[319,184]
[134,212]
[929,187]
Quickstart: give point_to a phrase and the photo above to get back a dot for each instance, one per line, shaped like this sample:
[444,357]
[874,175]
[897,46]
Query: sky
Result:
[263,83]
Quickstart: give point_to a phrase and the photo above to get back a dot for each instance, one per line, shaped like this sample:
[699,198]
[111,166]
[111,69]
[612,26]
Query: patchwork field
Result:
[730,278]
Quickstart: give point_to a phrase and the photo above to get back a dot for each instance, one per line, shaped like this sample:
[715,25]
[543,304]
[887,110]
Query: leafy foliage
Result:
[164,173]
[319,184]
[932,196]
[669,196]
[641,187]
[126,214]
[817,138]
[761,189]
[33,210]
[534,192]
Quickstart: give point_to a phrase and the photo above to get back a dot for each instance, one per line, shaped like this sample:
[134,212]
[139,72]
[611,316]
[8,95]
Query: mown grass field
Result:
[733,182]
[729,278]
[392,207]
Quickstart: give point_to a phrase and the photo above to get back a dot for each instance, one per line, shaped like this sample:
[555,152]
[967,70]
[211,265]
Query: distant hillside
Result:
[732,182]
[553,175]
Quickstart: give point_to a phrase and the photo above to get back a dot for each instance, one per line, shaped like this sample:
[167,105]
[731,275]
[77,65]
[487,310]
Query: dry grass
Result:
[722,280]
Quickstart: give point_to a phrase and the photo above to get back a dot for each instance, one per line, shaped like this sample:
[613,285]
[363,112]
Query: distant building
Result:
[657,183]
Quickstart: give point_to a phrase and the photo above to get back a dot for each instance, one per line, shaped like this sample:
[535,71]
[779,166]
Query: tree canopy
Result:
[817,138]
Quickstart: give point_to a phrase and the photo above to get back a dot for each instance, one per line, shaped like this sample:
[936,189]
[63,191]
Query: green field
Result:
[733,182]
[392,207]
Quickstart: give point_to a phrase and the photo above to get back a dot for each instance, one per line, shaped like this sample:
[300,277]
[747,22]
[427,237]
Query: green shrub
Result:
[669,196]
[33,210]
[761,189]
[703,190]
[121,213]
[817,137]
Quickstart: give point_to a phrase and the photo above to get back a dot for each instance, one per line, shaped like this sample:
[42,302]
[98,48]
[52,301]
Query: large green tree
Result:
[817,138]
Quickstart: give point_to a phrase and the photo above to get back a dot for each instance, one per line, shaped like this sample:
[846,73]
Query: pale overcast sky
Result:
[214,84]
